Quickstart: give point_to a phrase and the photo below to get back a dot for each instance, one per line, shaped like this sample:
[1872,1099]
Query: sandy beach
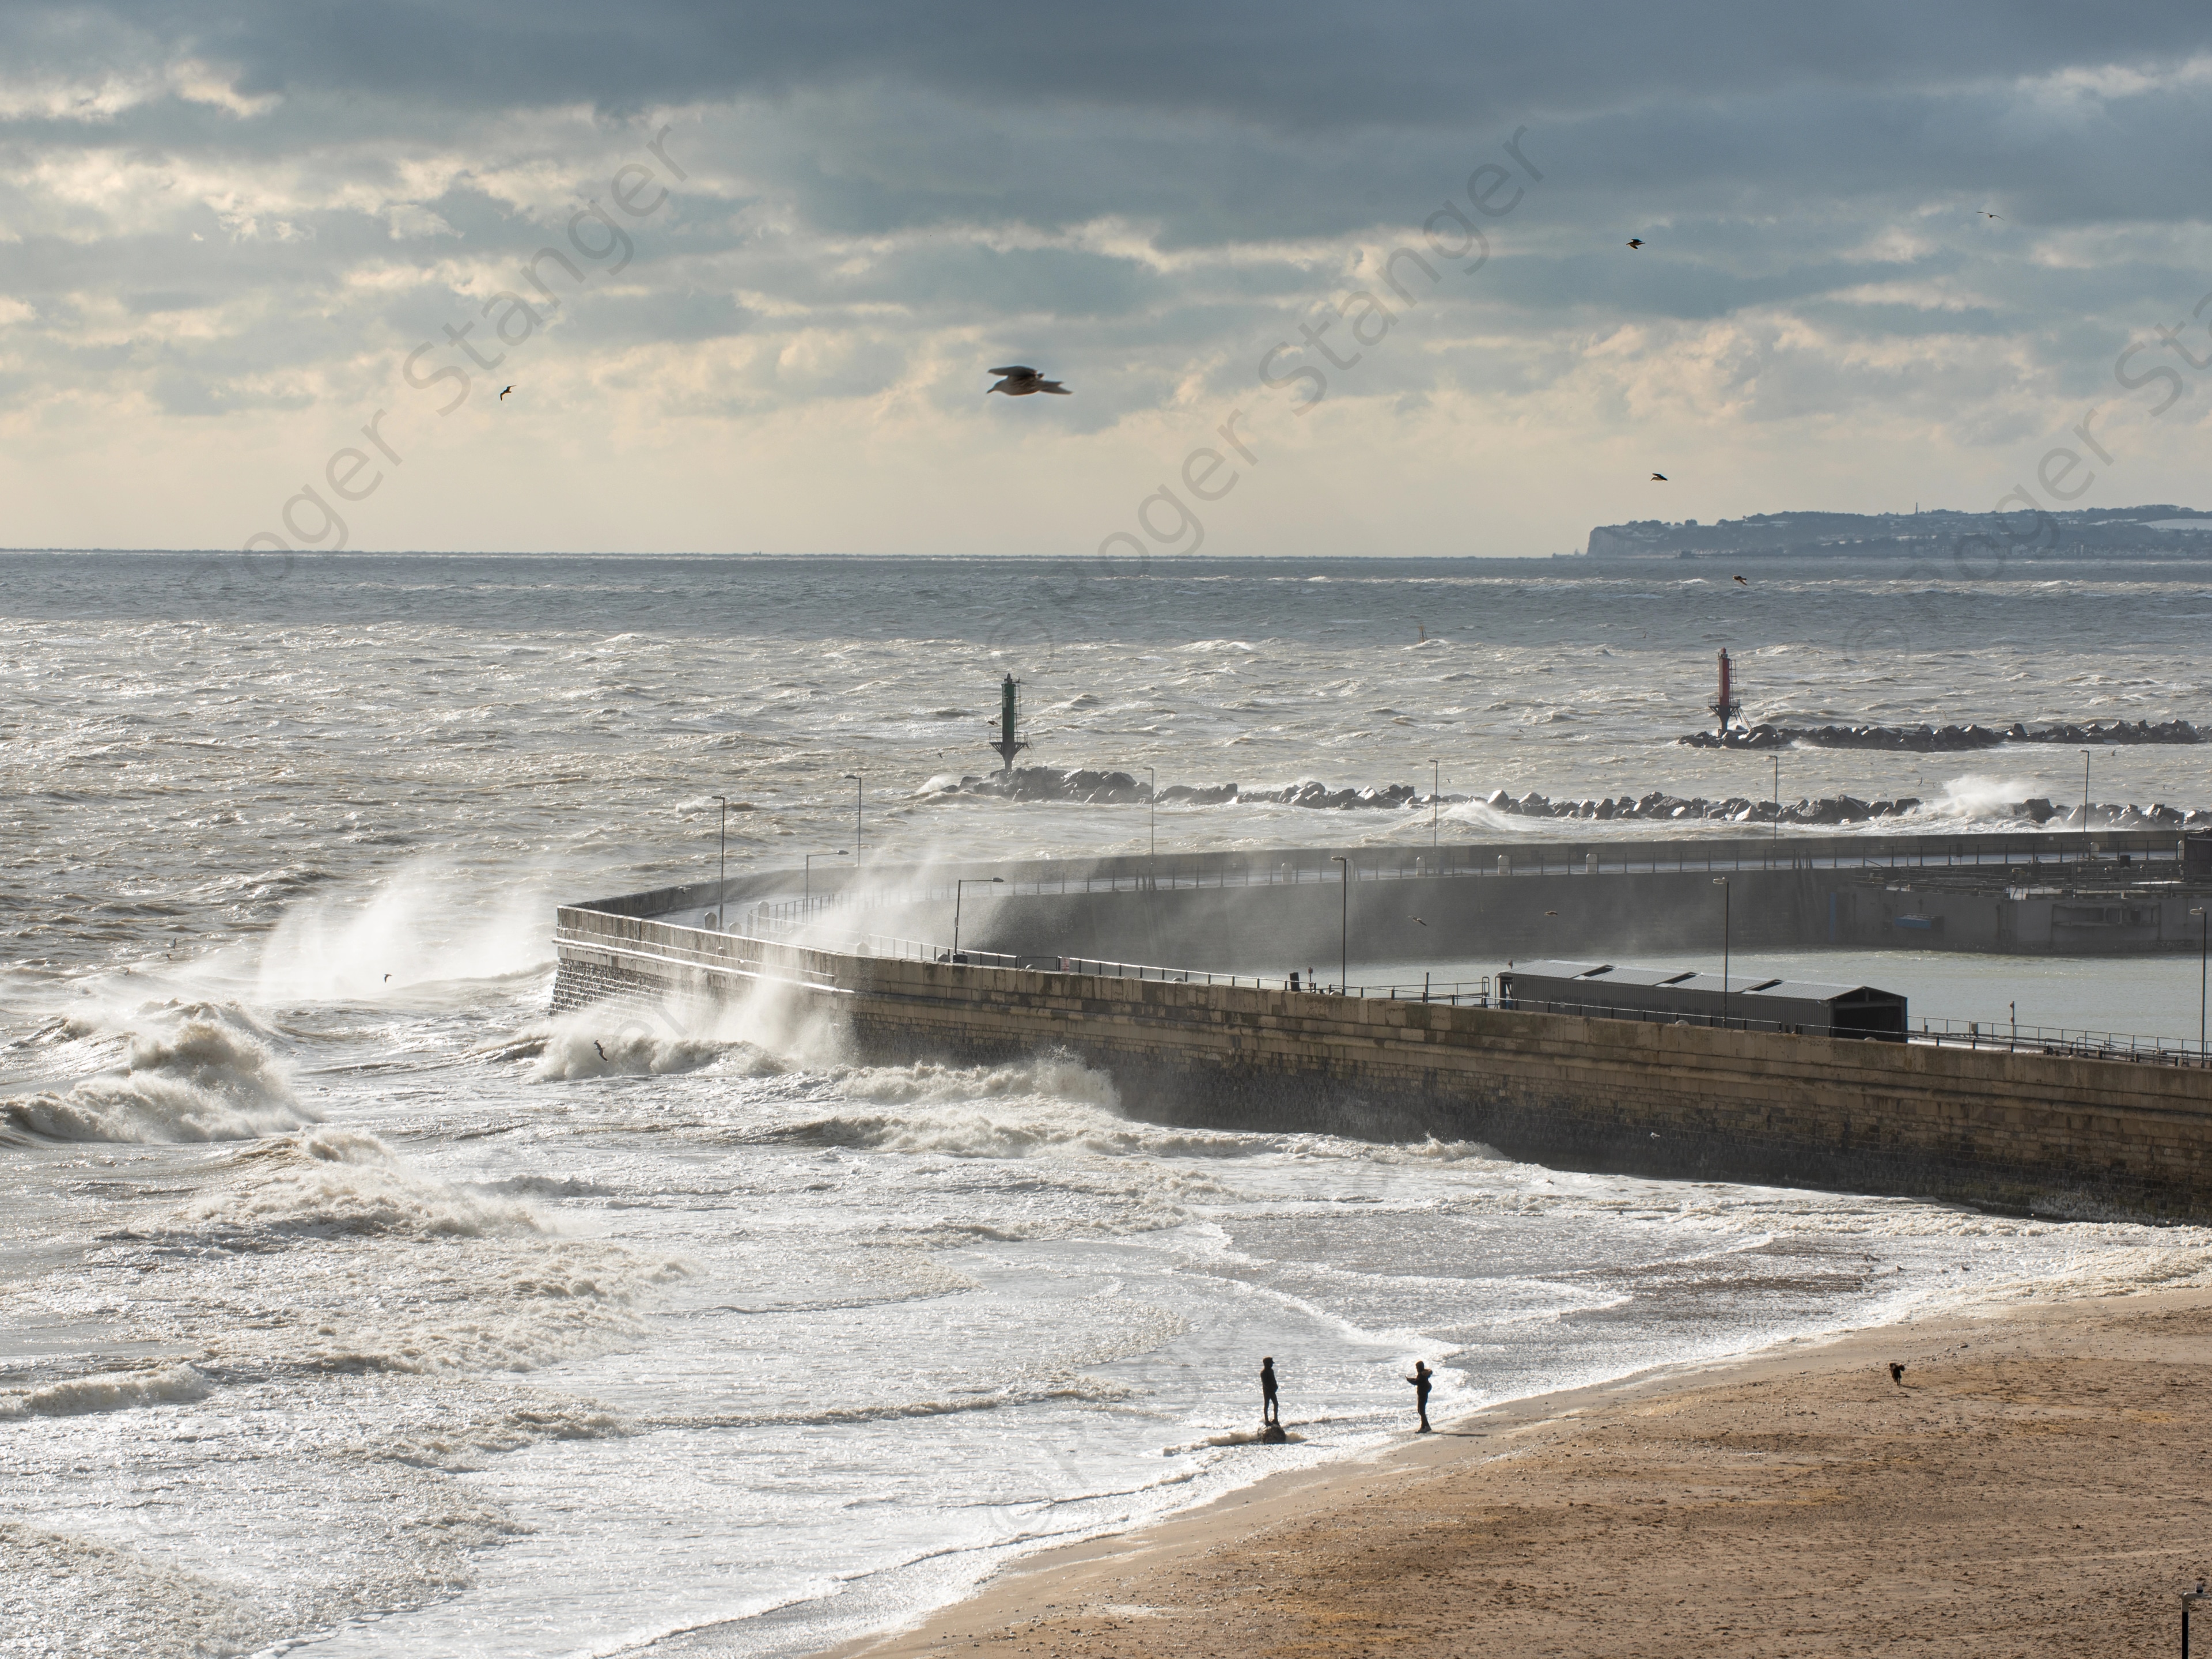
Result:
[2036,1485]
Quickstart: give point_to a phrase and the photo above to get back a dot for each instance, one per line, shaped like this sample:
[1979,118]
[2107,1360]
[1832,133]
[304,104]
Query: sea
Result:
[352,1304]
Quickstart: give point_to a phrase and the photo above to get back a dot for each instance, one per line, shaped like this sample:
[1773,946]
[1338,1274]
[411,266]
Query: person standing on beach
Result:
[1421,1379]
[1271,1409]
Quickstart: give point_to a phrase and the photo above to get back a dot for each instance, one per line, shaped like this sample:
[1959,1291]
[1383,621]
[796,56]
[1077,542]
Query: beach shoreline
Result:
[1634,1505]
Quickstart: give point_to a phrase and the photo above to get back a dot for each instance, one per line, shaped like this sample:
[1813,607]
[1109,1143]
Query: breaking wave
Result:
[336,1183]
[108,1391]
[198,1072]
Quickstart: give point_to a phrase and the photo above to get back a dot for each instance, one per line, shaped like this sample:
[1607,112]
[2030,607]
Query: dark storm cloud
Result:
[1300,67]
[1149,187]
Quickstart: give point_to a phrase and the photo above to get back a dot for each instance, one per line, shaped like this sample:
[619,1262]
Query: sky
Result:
[266,269]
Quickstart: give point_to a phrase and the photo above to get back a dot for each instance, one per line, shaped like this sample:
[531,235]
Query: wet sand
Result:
[2041,1484]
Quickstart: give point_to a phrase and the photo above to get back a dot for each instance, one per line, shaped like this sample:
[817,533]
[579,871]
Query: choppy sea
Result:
[350,1304]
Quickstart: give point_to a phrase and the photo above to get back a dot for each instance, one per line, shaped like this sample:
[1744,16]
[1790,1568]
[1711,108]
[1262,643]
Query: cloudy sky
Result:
[231,234]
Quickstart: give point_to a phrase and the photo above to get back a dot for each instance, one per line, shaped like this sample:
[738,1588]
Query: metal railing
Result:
[2059,1040]
[1731,1022]
[1473,993]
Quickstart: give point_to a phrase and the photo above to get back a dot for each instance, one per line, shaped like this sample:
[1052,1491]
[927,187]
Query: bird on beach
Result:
[1658,478]
[1635,241]
[1021,381]
[502,396]
[1897,1373]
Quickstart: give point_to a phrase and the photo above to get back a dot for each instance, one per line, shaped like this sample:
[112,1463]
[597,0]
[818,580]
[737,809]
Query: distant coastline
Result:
[1973,538]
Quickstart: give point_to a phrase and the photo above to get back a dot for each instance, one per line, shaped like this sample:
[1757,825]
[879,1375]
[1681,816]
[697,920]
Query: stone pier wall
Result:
[2028,1132]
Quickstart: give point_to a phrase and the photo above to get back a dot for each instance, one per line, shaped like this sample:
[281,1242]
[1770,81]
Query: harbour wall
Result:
[2044,1133]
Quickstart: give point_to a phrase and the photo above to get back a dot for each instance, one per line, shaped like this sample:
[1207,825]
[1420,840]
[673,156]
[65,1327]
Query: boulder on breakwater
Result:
[1942,740]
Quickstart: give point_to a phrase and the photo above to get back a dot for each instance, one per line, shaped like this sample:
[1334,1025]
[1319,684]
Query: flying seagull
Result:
[1417,921]
[1635,241]
[1986,214]
[1021,381]
[1743,582]
[596,1044]
[502,396]
[1659,477]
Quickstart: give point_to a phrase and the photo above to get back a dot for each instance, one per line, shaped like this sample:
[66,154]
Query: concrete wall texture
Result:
[2052,1134]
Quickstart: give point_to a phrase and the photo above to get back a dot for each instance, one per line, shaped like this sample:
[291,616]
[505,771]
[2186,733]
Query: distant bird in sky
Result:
[1417,921]
[1986,214]
[502,396]
[596,1044]
[1021,381]
[387,979]
[1635,241]
[1551,913]
[1659,477]
[1743,582]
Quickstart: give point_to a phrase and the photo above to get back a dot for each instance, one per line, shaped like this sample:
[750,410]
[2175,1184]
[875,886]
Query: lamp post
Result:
[958,886]
[807,863]
[1722,881]
[857,787]
[1152,793]
[2085,789]
[2203,958]
[723,881]
[1435,796]
[1777,759]
[1344,936]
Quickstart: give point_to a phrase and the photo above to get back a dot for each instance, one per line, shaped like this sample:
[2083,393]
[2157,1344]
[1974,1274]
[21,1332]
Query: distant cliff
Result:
[1974,539]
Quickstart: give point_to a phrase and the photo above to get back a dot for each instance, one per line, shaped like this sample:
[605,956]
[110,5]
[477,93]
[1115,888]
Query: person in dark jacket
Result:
[1271,1408]
[1422,1378]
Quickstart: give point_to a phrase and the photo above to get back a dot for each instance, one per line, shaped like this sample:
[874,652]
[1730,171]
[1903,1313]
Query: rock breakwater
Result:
[1942,740]
[1111,788]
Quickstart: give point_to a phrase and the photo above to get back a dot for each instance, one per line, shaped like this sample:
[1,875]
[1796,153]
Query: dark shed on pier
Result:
[1599,990]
